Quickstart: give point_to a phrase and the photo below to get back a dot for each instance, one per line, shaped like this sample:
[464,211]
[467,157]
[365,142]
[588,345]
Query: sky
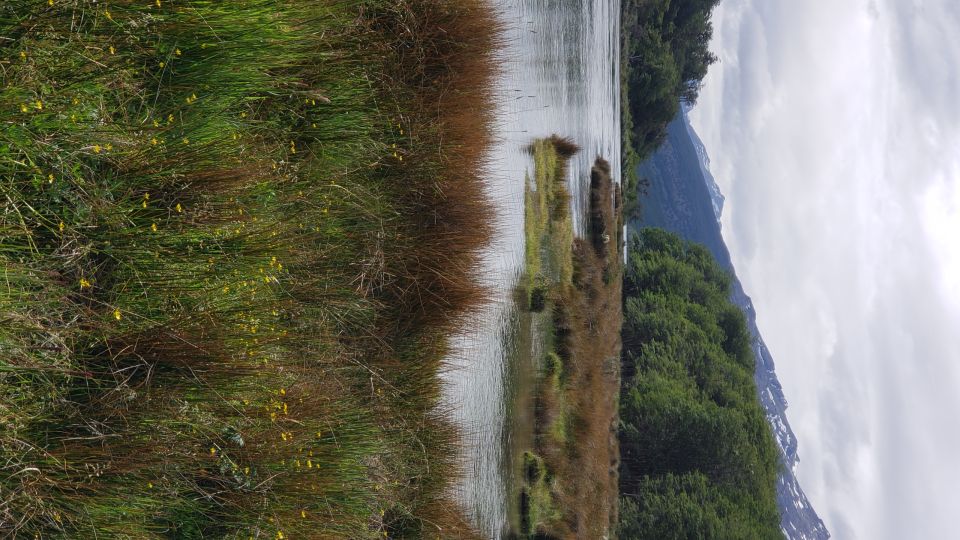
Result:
[833,128]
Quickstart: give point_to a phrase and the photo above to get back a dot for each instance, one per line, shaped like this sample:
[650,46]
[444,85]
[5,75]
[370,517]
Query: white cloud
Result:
[833,128]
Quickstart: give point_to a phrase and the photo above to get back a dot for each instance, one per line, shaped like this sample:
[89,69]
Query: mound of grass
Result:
[536,502]
[231,254]
[548,228]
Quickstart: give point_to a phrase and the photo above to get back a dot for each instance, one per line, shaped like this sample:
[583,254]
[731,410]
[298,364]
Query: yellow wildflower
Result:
[309,464]
[283,392]
[246,470]
[108,147]
[96,149]
[84,284]
[177,52]
[50,178]
[61,226]
[158,5]
[213,451]
[169,118]
[303,514]
[156,123]
[153,227]
[112,50]
[24,108]
[163,64]
[39,105]
[116,314]
[154,141]
[107,14]
[149,485]
[179,208]
[186,140]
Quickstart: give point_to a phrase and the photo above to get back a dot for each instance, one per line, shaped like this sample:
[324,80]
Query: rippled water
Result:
[560,75]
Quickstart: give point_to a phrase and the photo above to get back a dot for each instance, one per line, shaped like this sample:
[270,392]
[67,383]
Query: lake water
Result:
[560,74]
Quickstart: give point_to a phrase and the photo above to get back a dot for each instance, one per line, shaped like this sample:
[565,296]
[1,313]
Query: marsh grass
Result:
[548,227]
[576,395]
[234,237]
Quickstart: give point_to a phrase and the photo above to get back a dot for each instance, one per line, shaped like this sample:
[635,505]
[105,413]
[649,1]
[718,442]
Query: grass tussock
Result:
[548,228]
[576,403]
[234,238]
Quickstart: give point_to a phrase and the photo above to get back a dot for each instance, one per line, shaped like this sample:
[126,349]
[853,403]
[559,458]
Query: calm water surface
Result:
[560,75]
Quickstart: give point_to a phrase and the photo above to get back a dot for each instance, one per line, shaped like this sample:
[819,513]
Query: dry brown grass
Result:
[447,55]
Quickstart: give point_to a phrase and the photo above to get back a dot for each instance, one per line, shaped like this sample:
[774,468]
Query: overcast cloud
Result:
[833,129]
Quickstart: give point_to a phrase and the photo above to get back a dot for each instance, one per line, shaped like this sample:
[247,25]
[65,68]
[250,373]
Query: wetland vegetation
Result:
[569,475]
[235,237]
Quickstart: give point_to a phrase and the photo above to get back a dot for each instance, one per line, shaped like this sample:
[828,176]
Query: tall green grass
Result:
[221,311]
[548,226]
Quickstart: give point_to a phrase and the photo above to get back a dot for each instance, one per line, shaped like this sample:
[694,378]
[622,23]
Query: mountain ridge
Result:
[684,198]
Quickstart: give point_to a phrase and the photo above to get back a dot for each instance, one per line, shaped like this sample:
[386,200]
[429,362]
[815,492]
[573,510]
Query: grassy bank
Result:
[234,237]
[570,474]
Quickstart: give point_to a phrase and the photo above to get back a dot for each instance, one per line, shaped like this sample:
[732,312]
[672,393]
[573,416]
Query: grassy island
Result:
[570,473]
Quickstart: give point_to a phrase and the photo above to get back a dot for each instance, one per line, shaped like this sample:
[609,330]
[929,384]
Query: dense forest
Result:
[665,57]
[698,458]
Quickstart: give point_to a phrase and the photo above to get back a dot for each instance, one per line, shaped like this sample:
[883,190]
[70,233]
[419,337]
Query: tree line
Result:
[698,456]
[665,58]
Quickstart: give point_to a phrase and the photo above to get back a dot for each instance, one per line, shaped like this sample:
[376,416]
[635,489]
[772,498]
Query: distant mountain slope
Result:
[683,198]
